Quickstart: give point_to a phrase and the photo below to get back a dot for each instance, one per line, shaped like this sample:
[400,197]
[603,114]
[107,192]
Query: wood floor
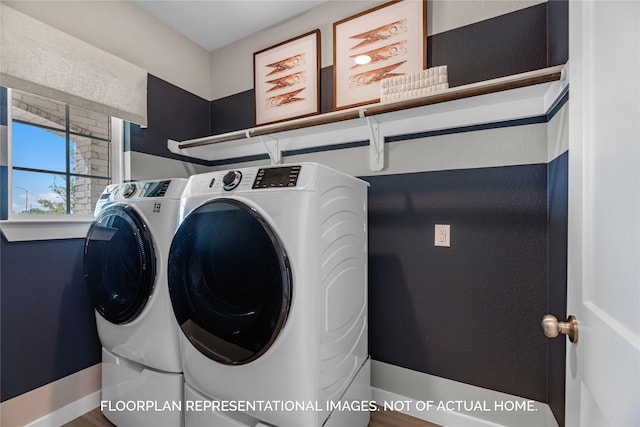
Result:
[90,419]
[378,419]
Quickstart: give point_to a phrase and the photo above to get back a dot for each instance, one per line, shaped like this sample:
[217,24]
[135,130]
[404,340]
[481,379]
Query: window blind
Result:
[40,59]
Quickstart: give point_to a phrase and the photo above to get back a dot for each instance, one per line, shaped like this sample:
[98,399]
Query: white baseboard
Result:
[55,403]
[69,412]
[451,403]
[420,395]
[418,409]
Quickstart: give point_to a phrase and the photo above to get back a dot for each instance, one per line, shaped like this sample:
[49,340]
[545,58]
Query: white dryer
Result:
[268,281]
[125,259]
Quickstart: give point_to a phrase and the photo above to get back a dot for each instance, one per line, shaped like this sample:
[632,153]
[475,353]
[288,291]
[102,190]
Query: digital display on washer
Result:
[277,177]
[155,189]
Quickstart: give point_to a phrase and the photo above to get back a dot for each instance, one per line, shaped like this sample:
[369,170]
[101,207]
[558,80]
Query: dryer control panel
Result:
[278,177]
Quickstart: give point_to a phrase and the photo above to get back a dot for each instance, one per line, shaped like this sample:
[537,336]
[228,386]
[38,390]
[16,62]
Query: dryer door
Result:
[119,264]
[229,280]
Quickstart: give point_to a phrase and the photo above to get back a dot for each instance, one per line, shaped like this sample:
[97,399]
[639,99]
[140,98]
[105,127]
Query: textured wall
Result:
[446,311]
[558,207]
[173,114]
[48,323]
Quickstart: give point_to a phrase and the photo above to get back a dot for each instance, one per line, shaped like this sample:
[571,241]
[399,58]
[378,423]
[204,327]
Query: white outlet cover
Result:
[442,235]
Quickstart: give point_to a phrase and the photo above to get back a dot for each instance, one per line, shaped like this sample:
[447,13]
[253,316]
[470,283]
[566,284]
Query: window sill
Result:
[21,230]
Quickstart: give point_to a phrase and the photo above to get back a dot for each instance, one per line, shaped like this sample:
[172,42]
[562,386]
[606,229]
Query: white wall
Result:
[232,66]
[508,146]
[140,166]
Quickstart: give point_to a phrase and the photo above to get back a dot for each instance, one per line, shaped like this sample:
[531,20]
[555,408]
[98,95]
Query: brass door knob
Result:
[552,328]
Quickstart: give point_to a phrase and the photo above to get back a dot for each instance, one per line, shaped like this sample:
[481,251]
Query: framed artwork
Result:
[286,79]
[386,41]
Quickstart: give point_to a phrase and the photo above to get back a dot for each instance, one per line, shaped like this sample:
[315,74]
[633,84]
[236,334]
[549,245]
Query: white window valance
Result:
[40,59]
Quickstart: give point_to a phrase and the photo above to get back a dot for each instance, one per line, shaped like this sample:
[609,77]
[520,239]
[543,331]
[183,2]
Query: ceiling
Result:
[213,24]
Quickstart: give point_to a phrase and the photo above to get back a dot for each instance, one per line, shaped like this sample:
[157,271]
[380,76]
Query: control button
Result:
[128,190]
[231,180]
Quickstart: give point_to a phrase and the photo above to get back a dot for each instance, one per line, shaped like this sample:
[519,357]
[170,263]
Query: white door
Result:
[603,368]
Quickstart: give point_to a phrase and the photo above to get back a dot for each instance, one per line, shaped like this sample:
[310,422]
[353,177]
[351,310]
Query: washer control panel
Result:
[278,177]
[136,189]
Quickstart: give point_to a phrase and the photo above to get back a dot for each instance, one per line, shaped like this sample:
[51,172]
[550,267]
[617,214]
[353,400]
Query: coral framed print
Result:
[386,41]
[286,79]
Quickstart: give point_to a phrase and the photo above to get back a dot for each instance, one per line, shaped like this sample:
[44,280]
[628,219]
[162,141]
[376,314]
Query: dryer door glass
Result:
[119,264]
[229,280]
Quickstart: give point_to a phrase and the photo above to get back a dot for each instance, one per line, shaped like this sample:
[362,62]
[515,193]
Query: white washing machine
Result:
[268,281]
[125,264]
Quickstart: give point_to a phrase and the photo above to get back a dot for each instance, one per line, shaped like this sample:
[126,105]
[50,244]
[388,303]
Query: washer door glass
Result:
[229,280]
[119,264]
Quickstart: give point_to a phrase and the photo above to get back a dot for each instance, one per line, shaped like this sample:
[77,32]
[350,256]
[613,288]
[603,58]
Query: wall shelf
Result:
[515,97]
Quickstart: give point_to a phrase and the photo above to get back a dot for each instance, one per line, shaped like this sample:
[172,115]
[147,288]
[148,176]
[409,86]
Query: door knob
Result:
[552,327]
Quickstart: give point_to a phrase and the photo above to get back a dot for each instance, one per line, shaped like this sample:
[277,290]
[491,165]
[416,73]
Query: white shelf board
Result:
[512,104]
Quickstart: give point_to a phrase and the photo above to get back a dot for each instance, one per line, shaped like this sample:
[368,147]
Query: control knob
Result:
[128,190]
[231,180]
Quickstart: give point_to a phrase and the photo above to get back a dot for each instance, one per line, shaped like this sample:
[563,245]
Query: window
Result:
[61,157]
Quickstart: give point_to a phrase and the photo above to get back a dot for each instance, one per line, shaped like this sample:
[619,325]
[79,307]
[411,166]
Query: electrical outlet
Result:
[443,235]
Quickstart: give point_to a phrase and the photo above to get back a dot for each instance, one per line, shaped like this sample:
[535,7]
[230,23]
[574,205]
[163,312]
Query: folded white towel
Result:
[413,85]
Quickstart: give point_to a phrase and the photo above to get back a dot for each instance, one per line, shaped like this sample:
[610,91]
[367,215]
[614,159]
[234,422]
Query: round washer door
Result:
[119,264]
[229,281]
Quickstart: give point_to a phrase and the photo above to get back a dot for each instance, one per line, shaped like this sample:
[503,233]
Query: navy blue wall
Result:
[4,199]
[510,44]
[48,323]
[557,32]
[173,113]
[558,211]
[445,311]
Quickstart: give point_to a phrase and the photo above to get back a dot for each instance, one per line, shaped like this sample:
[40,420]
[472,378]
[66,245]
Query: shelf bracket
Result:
[376,143]
[274,153]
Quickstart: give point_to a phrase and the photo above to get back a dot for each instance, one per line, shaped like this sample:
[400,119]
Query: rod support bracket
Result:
[376,144]
[274,152]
